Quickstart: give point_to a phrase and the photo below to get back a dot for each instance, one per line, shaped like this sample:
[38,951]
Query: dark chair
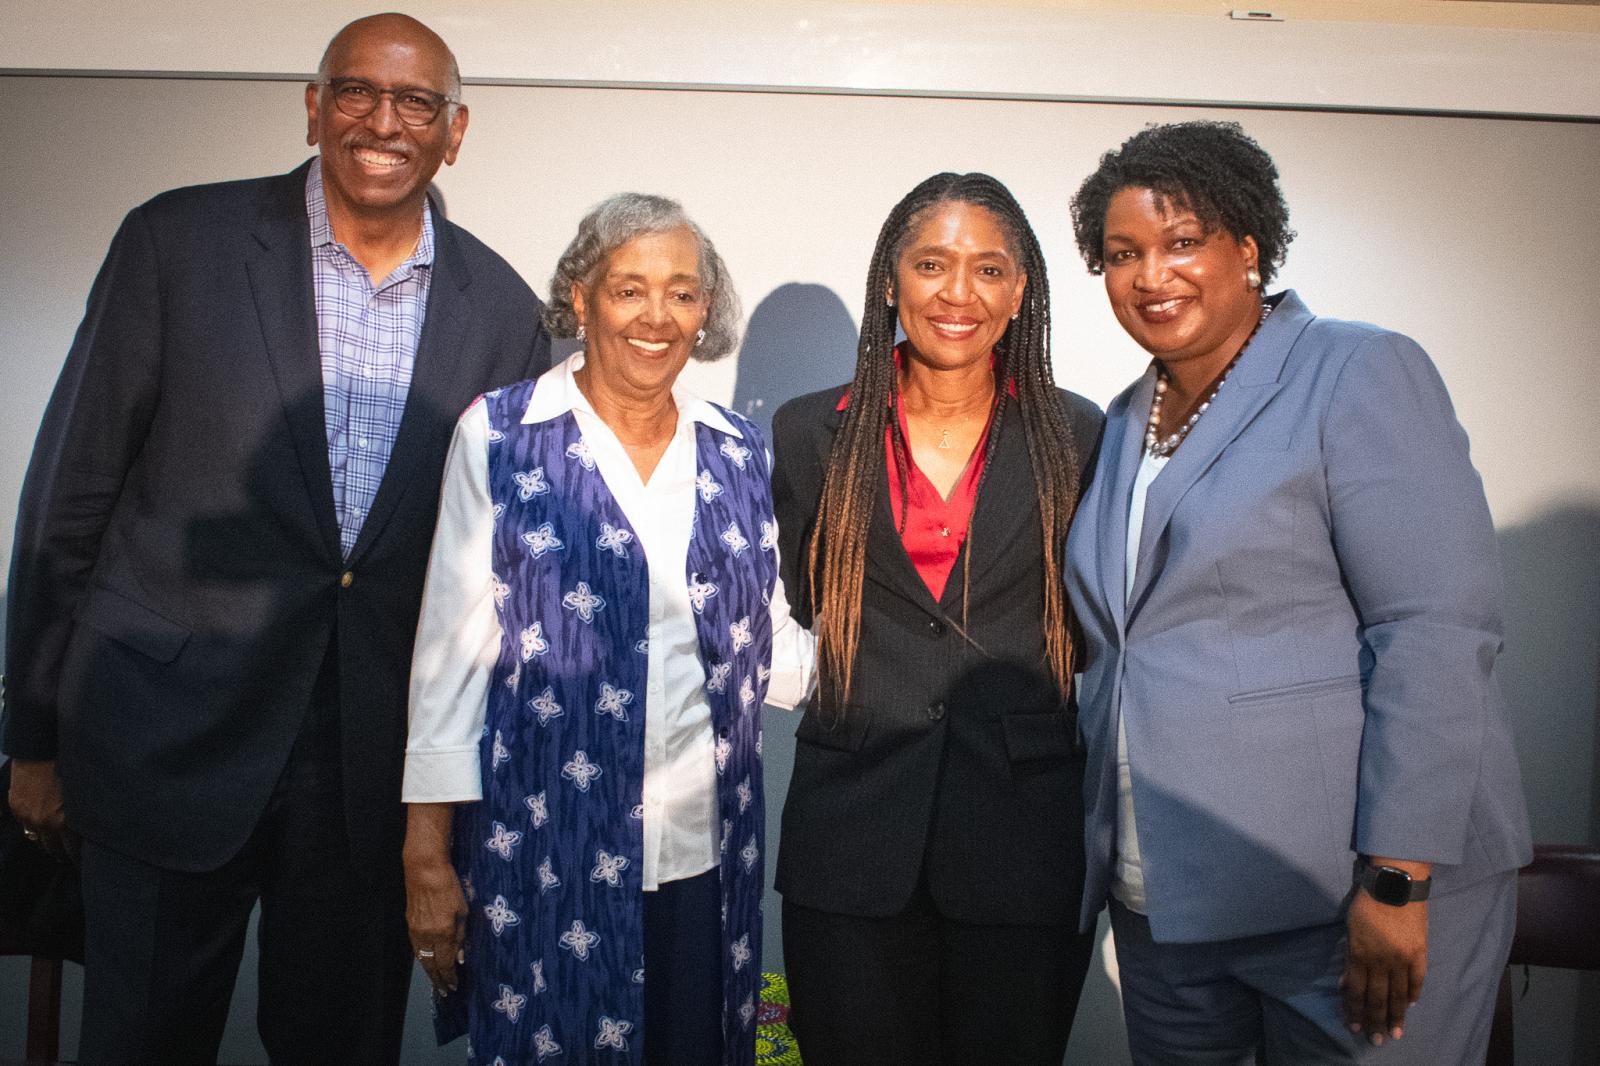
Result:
[1558,924]
[41,916]
[43,1044]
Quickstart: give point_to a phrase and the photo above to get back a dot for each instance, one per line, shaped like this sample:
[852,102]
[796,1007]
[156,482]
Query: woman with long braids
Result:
[932,837]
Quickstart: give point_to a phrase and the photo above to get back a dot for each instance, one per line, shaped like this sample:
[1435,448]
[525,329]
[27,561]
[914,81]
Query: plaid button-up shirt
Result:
[367,335]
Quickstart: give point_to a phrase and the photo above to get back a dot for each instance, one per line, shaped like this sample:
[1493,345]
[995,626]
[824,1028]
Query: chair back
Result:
[1558,924]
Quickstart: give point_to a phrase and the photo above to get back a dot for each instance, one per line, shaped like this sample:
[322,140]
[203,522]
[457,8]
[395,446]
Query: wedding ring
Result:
[30,834]
[424,953]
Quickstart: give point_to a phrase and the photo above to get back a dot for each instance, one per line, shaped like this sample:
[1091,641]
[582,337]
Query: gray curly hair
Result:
[615,222]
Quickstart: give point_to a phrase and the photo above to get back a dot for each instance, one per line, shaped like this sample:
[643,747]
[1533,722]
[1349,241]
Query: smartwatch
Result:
[1391,885]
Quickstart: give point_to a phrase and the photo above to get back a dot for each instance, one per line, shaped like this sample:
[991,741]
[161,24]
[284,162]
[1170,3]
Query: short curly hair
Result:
[613,223]
[1214,169]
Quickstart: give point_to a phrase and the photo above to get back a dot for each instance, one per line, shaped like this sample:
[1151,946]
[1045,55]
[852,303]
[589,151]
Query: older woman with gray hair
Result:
[602,621]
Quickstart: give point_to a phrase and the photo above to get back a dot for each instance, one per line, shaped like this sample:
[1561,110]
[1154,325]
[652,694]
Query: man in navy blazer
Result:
[219,562]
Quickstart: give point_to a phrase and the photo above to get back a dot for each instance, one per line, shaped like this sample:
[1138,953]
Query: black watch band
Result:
[1391,885]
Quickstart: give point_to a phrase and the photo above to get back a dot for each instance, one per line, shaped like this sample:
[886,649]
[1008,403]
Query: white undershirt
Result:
[458,634]
[1127,881]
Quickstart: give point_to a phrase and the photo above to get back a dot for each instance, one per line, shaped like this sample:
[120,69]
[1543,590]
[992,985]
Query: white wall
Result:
[1536,59]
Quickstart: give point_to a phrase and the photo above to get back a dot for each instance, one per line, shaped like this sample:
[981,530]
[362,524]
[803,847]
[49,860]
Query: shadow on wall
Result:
[801,339]
[1550,673]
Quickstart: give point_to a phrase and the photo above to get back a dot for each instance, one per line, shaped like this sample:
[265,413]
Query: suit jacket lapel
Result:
[1254,381]
[1003,507]
[440,361]
[280,282]
[1112,490]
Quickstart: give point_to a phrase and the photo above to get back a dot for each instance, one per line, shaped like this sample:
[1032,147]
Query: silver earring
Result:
[1252,278]
[888,301]
[699,337]
[1015,315]
[583,334]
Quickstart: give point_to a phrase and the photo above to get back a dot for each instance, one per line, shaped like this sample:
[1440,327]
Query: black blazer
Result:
[950,760]
[177,575]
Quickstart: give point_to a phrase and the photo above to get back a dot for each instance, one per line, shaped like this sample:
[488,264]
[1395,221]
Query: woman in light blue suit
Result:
[1301,792]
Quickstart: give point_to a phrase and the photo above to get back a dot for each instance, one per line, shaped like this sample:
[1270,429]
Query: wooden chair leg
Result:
[1502,1050]
[44,1011]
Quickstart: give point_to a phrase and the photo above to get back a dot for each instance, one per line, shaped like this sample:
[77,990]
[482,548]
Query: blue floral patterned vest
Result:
[551,858]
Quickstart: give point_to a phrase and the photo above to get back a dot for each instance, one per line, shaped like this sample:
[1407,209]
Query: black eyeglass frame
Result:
[336,86]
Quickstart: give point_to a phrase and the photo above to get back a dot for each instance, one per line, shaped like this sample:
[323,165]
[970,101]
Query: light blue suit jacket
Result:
[1306,663]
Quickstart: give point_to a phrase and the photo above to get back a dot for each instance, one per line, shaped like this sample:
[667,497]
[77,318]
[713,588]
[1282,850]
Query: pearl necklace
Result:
[1157,448]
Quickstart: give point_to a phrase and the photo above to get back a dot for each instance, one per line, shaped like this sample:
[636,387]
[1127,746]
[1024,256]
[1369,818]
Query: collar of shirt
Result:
[322,230]
[557,392]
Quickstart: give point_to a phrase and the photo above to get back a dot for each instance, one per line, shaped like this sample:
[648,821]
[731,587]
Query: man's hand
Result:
[35,799]
[1387,962]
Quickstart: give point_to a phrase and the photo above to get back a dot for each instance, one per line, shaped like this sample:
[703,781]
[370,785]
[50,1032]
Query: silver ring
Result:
[30,834]
[424,953]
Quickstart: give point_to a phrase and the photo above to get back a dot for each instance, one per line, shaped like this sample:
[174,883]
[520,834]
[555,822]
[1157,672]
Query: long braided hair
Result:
[857,459]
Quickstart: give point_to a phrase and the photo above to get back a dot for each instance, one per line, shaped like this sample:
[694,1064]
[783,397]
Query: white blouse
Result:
[458,634]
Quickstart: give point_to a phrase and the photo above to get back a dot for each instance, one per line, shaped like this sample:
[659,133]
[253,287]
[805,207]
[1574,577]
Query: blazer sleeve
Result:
[539,347]
[796,496]
[1416,545]
[1088,424]
[94,426]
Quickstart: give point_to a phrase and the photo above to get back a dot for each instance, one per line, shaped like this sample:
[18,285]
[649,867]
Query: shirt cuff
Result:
[442,775]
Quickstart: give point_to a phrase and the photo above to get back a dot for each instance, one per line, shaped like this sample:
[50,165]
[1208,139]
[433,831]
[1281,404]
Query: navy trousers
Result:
[163,946]
[683,972]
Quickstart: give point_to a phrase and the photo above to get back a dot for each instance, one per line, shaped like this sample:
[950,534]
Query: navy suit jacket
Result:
[1306,664]
[177,576]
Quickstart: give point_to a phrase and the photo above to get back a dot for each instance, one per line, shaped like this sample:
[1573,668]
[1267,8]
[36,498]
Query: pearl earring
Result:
[1252,278]
[583,334]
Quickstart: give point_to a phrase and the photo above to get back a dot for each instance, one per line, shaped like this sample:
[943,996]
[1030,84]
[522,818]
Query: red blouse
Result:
[935,528]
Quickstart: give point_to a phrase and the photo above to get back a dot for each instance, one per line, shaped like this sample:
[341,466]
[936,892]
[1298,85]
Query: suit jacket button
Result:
[347,579]
[937,627]
[936,710]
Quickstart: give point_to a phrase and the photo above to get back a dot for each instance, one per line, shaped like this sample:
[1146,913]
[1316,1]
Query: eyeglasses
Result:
[358,99]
